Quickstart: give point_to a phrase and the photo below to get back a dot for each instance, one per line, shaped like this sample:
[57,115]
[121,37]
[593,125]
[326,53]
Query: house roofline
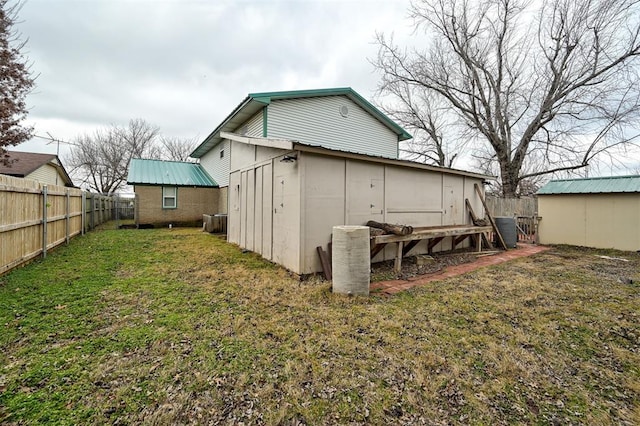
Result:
[262,99]
[293,145]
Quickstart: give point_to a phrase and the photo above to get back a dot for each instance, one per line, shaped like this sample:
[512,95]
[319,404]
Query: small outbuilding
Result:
[602,212]
[292,165]
[44,168]
[171,192]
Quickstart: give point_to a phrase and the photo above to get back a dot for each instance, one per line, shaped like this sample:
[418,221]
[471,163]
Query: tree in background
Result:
[539,91]
[176,149]
[15,81]
[426,114]
[102,159]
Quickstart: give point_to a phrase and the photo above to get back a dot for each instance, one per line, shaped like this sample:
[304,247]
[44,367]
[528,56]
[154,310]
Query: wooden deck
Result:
[435,234]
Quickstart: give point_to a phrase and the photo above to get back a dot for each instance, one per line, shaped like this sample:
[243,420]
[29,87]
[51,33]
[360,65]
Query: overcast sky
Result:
[185,64]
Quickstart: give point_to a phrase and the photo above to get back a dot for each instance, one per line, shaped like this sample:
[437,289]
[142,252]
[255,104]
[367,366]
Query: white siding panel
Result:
[218,167]
[267,210]
[258,211]
[324,205]
[455,211]
[251,127]
[47,175]
[243,155]
[251,207]
[243,209]
[286,215]
[317,121]
[234,222]
[365,192]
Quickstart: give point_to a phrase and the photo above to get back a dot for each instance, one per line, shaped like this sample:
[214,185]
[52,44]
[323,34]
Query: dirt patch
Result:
[419,265]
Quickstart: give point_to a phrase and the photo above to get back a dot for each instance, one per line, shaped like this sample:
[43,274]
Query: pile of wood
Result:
[388,228]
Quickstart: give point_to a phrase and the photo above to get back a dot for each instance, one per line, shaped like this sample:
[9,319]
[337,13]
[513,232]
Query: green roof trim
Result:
[256,101]
[168,173]
[596,185]
[265,116]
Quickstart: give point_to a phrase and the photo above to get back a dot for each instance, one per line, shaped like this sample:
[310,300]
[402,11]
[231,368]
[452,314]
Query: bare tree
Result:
[16,81]
[557,85]
[176,149]
[102,158]
[425,113]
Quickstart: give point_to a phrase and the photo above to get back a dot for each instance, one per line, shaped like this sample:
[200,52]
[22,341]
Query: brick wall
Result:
[192,203]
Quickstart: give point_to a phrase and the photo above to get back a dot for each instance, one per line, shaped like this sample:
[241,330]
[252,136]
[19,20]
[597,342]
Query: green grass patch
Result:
[177,326]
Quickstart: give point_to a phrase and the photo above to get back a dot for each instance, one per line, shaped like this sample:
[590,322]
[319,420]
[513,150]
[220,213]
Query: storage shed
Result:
[334,118]
[171,192]
[602,212]
[286,196]
[293,164]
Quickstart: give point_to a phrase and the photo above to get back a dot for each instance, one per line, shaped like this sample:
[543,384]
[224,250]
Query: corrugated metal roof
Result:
[598,185]
[174,173]
[254,102]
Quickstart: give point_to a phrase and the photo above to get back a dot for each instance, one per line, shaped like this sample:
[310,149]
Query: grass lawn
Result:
[178,327]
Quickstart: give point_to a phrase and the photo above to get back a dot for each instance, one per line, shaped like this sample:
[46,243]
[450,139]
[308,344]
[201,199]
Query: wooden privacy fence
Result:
[35,218]
[524,210]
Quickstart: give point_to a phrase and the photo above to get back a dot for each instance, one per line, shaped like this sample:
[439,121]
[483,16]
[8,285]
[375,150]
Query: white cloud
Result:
[184,65]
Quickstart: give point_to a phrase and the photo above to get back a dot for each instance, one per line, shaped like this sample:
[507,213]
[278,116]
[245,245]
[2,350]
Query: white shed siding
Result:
[592,220]
[317,121]
[337,191]
[251,127]
[46,174]
[218,167]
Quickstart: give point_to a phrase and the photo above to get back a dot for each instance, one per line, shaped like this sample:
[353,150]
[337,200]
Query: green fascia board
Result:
[596,185]
[168,173]
[255,101]
[265,116]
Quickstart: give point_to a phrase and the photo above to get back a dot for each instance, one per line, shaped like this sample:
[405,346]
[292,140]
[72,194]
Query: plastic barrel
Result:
[507,228]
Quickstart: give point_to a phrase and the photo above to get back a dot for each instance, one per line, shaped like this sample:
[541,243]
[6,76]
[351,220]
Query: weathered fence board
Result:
[524,210]
[511,207]
[35,218]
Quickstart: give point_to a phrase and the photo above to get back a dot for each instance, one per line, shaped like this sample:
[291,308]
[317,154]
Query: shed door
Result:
[365,193]
[267,210]
[234,194]
[453,201]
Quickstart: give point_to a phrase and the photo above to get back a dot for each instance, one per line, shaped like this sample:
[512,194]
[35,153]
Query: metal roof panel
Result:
[174,173]
[597,185]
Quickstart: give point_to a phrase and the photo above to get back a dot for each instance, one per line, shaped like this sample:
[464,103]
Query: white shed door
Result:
[365,193]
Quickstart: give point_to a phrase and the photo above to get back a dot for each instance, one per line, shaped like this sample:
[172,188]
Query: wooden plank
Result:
[13,226]
[326,265]
[433,243]
[474,218]
[377,248]
[459,239]
[397,267]
[426,234]
[493,223]
[407,247]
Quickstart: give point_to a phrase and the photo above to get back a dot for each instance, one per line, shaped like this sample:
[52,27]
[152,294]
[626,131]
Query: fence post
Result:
[117,201]
[84,211]
[68,211]
[44,221]
[92,204]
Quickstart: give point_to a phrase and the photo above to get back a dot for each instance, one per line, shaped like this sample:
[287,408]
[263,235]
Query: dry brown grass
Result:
[184,328]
